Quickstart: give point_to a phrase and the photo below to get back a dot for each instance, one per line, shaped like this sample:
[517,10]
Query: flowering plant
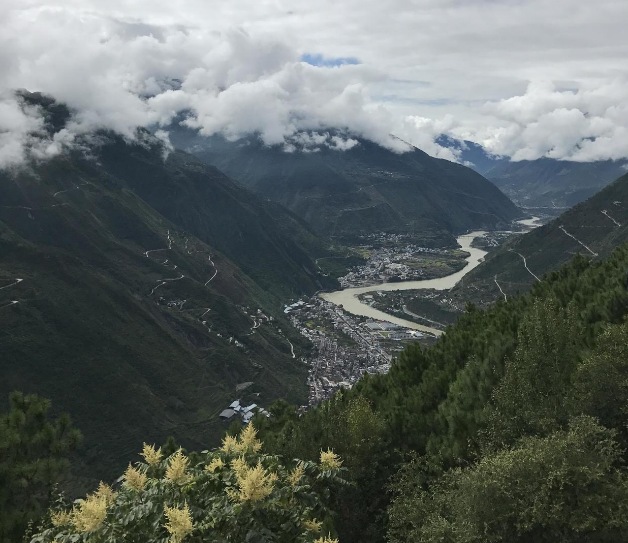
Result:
[232,494]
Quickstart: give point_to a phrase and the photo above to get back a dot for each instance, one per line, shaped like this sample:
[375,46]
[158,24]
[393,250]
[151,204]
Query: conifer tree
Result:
[33,456]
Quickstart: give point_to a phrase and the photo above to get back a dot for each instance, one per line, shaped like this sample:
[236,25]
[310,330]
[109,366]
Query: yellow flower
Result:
[313,525]
[238,465]
[179,522]
[296,475]
[215,464]
[151,455]
[134,479]
[330,460]
[229,443]
[177,466]
[255,483]
[106,492]
[248,441]
[60,518]
[90,513]
[326,540]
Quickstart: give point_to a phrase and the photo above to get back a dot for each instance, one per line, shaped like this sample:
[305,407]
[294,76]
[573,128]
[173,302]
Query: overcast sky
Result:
[525,78]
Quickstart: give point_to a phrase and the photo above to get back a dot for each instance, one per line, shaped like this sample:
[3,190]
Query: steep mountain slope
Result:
[360,190]
[539,183]
[593,228]
[119,302]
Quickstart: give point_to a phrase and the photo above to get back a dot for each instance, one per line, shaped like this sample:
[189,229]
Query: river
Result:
[348,297]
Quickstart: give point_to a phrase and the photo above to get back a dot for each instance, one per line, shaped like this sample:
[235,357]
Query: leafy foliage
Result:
[498,380]
[568,487]
[231,494]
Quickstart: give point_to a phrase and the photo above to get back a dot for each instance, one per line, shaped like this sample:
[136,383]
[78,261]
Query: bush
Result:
[232,494]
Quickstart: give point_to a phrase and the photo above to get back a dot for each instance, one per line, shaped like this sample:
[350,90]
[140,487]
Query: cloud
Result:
[416,70]
[23,134]
[114,76]
[581,125]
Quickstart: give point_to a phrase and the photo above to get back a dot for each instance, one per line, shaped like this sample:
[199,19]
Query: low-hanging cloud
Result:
[119,77]
[118,72]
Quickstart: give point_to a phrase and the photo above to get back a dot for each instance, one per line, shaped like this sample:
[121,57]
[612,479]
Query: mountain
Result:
[554,183]
[361,190]
[130,284]
[471,154]
[544,182]
[592,229]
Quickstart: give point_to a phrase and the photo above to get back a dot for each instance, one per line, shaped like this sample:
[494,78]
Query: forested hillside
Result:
[137,290]
[592,229]
[473,427]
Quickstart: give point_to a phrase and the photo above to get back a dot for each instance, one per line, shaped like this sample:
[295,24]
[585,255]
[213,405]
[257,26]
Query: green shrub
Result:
[232,494]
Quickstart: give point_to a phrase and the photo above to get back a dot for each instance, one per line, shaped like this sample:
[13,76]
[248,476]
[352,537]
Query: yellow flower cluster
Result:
[296,475]
[326,540]
[239,465]
[215,464]
[134,479]
[61,518]
[92,511]
[254,484]
[179,522]
[151,455]
[106,492]
[177,467]
[247,442]
[313,525]
[330,460]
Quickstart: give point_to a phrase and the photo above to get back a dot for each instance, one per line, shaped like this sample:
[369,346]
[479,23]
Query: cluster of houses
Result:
[246,413]
[386,264]
[395,332]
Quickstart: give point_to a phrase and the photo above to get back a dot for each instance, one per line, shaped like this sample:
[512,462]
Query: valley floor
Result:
[346,345]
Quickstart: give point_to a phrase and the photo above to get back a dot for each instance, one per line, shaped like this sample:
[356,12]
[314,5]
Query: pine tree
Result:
[33,456]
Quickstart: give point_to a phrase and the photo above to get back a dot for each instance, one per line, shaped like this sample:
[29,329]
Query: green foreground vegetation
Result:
[510,429]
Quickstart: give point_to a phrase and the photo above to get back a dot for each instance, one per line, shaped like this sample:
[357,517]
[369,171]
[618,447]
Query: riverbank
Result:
[348,298]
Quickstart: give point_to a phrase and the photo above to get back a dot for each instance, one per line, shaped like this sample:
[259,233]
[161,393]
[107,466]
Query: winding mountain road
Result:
[163,281]
[408,312]
[500,288]
[605,213]
[17,281]
[576,239]
[215,270]
[525,264]
[291,347]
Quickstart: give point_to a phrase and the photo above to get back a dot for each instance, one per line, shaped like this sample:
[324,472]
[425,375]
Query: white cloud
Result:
[428,67]
[23,135]
[583,125]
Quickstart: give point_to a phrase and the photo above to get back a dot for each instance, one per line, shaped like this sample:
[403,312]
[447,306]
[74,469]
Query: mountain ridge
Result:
[592,229]
[362,189]
[122,292]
